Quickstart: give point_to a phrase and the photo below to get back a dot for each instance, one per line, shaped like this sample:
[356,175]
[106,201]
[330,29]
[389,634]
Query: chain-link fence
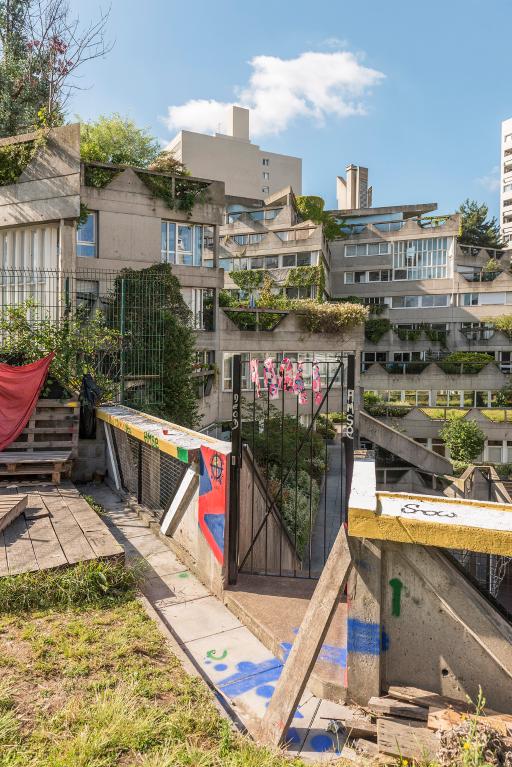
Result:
[149,475]
[105,323]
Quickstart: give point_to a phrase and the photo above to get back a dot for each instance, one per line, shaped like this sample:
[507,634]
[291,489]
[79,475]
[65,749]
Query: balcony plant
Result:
[376,328]
[376,407]
[465,362]
[408,334]
[503,324]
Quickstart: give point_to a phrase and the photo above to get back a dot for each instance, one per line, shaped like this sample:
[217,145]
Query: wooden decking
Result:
[56,529]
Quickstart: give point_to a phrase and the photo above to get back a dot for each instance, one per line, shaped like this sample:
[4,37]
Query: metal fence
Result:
[150,476]
[106,323]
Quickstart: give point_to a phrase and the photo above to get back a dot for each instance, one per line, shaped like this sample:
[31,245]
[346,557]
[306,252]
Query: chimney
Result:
[238,125]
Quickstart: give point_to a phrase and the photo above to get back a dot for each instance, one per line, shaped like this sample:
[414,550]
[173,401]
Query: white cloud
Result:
[313,85]
[491,181]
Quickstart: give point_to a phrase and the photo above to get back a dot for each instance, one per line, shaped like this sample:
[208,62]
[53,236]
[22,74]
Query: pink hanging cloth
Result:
[298,384]
[286,375]
[317,384]
[270,378]
[255,376]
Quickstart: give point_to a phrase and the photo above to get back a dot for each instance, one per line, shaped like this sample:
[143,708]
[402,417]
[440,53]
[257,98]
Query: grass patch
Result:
[95,583]
[98,687]
[498,416]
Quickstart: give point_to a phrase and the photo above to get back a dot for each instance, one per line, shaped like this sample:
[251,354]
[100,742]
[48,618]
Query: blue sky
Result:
[431,125]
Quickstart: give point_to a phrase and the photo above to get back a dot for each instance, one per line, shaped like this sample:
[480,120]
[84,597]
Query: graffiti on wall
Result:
[212,499]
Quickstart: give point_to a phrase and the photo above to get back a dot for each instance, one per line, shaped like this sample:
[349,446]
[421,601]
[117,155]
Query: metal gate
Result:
[292,437]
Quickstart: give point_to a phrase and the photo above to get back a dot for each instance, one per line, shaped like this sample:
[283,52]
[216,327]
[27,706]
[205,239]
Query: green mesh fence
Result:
[108,324]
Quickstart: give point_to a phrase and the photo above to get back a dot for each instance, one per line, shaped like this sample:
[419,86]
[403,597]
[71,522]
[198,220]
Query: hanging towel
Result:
[255,376]
[317,384]
[286,375]
[270,378]
[298,384]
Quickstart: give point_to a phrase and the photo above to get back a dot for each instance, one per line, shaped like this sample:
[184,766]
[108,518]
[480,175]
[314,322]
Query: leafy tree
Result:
[312,208]
[153,304]
[464,439]
[42,47]
[167,162]
[118,140]
[476,228]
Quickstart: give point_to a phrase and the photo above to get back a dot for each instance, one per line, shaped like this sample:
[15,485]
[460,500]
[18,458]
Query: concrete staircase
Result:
[403,447]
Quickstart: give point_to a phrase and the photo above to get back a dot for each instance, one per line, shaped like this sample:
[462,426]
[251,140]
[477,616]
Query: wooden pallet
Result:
[11,506]
[48,442]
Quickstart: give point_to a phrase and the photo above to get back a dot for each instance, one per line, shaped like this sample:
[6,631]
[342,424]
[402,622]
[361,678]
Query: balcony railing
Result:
[481,276]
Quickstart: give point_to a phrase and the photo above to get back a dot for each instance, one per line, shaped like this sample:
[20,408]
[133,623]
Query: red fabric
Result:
[20,387]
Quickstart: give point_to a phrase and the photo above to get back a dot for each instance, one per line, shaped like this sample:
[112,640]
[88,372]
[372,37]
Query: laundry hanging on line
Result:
[289,379]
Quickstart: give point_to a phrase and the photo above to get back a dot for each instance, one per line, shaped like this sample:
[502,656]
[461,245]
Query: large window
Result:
[201,302]
[376,275]
[367,249]
[421,259]
[87,237]
[187,244]
[484,299]
[425,302]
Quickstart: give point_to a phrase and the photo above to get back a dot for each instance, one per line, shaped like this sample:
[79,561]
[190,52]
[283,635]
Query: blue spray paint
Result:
[363,637]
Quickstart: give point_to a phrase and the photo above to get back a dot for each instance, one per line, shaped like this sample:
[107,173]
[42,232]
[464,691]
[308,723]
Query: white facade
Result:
[506,182]
[246,169]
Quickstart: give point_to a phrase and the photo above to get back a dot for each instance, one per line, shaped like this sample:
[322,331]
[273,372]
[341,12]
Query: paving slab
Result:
[200,618]
[166,590]
[165,563]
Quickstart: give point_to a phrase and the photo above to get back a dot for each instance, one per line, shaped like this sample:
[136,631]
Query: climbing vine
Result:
[307,276]
[178,194]
[312,208]
[375,328]
[248,279]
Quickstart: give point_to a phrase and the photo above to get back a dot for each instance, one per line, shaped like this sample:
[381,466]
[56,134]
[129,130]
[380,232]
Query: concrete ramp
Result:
[404,447]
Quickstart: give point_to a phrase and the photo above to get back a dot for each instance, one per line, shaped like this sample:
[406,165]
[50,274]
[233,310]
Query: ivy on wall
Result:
[248,279]
[375,328]
[307,276]
[14,158]
[503,324]
[312,208]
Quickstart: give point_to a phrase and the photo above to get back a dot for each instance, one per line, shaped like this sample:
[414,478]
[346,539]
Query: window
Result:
[265,189]
[247,239]
[367,249]
[256,263]
[289,259]
[494,450]
[421,259]
[272,262]
[349,278]
[265,161]
[266,175]
[187,244]
[468,299]
[303,259]
[86,237]
[301,292]
[413,302]
[360,277]
[87,293]
[201,302]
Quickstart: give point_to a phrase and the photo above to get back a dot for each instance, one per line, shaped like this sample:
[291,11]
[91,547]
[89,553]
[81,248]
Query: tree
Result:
[476,229]
[312,208]
[118,140]
[42,47]
[167,162]
[464,439]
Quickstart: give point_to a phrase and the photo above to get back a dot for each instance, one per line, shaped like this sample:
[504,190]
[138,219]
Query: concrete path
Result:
[328,518]
[230,658]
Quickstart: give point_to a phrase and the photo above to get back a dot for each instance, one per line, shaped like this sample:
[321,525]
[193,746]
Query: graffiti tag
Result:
[349,425]
[414,508]
[150,439]
[212,654]
[396,586]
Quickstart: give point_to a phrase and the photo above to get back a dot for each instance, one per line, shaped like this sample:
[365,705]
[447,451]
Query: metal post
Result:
[234,472]
[139,472]
[121,332]
[350,431]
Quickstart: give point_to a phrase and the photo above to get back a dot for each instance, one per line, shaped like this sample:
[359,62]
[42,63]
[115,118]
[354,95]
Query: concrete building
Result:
[506,181]
[231,157]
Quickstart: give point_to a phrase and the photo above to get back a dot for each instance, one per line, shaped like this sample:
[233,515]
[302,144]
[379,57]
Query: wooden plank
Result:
[397,708]
[71,537]
[11,506]
[4,570]
[97,533]
[421,697]
[47,549]
[19,549]
[408,739]
[446,718]
[306,647]
[364,746]
[359,728]
[36,457]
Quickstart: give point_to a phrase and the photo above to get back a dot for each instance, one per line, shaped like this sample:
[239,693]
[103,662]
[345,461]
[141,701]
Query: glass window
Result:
[469,399]
[349,278]
[184,250]
[272,262]
[494,450]
[469,299]
[431,301]
[360,277]
[256,263]
[423,398]
[442,399]
[266,175]
[303,259]
[86,237]
[350,251]
[265,161]
[254,239]
[289,259]
[425,259]
[265,189]
[481,399]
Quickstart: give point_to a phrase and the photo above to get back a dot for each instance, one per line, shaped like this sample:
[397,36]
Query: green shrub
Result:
[464,439]
[503,324]
[330,318]
[375,328]
[95,583]
[465,362]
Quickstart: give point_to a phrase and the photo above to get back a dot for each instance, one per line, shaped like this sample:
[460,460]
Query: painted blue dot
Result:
[321,743]
[265,691]
[292,736]
[220,666]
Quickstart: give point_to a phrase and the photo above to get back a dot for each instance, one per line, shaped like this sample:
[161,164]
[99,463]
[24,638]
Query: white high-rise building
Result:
[246,169]
[506,182]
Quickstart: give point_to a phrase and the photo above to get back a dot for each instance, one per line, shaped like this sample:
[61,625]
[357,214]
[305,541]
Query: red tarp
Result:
[20,387]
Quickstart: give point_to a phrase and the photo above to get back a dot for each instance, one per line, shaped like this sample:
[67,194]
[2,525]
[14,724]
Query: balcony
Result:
[481,276]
